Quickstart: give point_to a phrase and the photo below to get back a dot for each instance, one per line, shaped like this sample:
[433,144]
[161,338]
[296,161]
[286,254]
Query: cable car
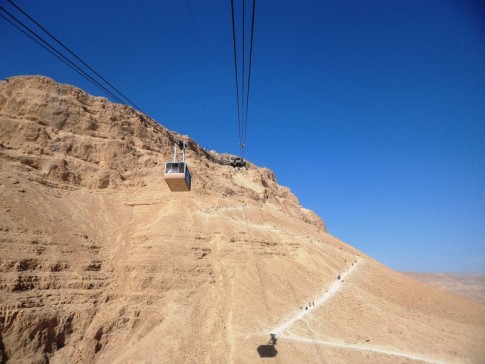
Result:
[177,174]
[238,162]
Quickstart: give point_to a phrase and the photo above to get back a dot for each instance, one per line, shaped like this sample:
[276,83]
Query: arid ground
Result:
[101,263]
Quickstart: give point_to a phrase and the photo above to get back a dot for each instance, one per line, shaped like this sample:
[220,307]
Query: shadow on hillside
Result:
[268,350]
[3,353]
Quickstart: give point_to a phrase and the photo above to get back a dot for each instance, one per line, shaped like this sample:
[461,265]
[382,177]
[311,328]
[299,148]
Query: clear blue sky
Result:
[372,112]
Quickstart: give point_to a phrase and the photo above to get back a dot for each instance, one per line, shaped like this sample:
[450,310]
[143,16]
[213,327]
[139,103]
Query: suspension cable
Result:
[235,70]
[75,55]
[243,102]
[243,69]
[35,40]
[58,54]
[55,52]
[249,72]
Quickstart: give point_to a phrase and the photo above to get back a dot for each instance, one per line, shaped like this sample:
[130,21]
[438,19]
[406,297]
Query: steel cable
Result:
[235,70]
[76,56]
[249,72]
[56,53]
[244,88]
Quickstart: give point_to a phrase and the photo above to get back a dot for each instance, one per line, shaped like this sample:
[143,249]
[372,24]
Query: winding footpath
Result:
[377,350]
[334,288]
[279,331]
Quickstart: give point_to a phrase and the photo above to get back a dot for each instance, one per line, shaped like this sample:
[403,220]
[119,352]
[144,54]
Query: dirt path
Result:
[331,291]
[363,348]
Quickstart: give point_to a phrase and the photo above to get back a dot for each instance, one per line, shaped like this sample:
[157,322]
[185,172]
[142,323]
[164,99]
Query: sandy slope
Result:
[101,263]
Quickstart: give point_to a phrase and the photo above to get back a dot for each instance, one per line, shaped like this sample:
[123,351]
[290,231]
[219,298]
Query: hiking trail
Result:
[334,288]
[330,292]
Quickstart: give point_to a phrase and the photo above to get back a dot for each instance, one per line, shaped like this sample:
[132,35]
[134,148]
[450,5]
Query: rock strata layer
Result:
[101,263]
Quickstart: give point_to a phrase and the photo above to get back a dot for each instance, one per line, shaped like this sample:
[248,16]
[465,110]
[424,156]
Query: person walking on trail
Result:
[272,340]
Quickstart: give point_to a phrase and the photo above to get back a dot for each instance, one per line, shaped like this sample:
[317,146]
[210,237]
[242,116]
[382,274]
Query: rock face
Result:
[101,263]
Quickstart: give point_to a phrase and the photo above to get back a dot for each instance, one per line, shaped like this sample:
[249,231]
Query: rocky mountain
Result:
[101,263]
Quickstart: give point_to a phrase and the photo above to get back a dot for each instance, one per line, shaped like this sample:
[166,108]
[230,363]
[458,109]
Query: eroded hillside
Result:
[100,262]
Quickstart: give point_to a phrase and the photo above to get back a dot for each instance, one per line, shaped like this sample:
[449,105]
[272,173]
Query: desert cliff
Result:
[101,263]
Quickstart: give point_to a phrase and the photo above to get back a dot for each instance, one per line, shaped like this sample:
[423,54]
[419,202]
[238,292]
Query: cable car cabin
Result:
[177,176]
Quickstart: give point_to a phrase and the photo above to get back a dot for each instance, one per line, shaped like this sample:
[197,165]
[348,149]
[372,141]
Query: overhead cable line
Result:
[42,42]
[249,72]
[114,92]
[243,69]
[74,55]
[236,72]
[54,54]
[35,40]
[244,88]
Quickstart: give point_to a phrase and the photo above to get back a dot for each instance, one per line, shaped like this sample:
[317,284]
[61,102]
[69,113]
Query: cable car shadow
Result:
[268,350]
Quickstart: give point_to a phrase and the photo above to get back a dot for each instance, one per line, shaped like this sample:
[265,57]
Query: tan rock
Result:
[101,263]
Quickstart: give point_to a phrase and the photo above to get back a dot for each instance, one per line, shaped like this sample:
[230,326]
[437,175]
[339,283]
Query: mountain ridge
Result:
[100,262]
[135,142]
